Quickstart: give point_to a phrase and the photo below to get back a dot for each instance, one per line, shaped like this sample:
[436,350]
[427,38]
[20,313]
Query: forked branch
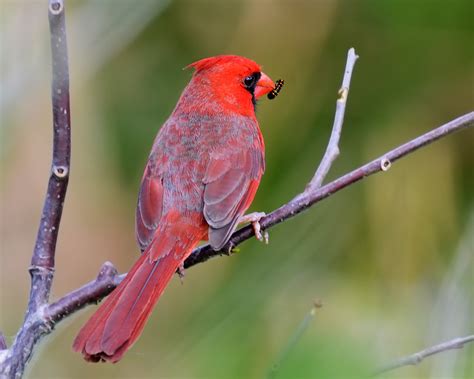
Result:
[41,317]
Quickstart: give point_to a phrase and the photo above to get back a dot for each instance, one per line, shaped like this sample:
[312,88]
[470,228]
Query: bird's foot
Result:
[254,218]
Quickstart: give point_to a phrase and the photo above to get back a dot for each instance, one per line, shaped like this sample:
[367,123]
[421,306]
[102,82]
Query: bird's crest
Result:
[206,63]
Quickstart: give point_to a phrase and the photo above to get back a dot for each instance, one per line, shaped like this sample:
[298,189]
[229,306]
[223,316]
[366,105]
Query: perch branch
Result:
[311,197]
[96,290]
[12,364]
[414,359]
[41,317]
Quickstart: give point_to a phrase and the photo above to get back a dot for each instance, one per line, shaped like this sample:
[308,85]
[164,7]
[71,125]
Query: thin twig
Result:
[12,364]
[295,337]
[332,150]
[414,359]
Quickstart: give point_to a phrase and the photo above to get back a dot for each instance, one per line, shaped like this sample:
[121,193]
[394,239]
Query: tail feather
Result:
[89,338]
[119,321]
[136,302]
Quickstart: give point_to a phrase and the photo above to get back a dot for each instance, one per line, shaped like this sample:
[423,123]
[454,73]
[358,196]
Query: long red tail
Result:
[119,321]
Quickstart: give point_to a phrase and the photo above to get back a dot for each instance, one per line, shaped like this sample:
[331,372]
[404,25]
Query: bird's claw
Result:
[254,218]
[262,237]
[180,271]
[266,237]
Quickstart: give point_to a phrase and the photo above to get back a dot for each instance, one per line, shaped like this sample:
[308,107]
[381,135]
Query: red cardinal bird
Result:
[202,174]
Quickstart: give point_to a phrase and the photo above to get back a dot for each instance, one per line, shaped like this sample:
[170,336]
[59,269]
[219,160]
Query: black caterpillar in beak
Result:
[275,91]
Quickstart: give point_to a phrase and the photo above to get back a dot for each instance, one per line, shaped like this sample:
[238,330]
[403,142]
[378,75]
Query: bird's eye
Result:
[249,81]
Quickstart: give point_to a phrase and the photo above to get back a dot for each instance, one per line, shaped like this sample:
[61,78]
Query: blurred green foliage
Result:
[384,255]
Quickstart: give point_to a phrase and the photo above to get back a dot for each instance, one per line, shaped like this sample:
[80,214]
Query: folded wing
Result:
[231,180]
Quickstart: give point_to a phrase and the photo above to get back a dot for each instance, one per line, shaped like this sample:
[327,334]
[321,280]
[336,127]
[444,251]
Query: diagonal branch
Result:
[414,359]
[311,197]
[96,290]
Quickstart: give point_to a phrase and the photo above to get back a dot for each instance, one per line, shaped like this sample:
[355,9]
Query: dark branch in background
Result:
[12,364]
[40,317]
[414,359]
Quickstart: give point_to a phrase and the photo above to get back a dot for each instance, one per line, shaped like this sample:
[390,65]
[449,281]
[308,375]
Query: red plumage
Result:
[202,174]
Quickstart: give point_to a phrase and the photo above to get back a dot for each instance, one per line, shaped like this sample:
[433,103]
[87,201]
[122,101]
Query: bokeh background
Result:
[391,257]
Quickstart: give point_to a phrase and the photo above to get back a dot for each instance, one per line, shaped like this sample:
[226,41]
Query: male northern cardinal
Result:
[202,174]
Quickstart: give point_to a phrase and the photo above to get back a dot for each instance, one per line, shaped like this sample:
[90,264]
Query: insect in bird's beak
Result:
[275,91]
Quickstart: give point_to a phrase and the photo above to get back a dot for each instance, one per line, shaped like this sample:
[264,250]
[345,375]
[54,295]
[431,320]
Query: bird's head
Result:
[234,81]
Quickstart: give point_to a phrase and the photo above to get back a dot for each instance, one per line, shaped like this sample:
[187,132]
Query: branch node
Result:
[60,172]
[34,269]
[342,94]
[107,271]
[229,249]
[417,358]
[353,53]
[317,303]
[56,6]
[385,164]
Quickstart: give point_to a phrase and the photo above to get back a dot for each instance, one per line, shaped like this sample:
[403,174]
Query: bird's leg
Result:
[254,219]
[180,272]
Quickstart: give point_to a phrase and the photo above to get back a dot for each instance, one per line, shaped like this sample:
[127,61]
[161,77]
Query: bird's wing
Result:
[149,207]
[231,180]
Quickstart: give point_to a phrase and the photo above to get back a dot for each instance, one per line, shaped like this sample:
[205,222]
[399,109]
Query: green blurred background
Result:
[391,257]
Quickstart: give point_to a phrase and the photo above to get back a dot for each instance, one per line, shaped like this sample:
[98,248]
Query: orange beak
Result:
[264,86]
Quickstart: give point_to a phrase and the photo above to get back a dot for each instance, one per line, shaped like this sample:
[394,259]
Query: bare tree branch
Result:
[311,197]
[12,364]
[414,359]
[41,317]
[332,150]
[90,293]
[96,290]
